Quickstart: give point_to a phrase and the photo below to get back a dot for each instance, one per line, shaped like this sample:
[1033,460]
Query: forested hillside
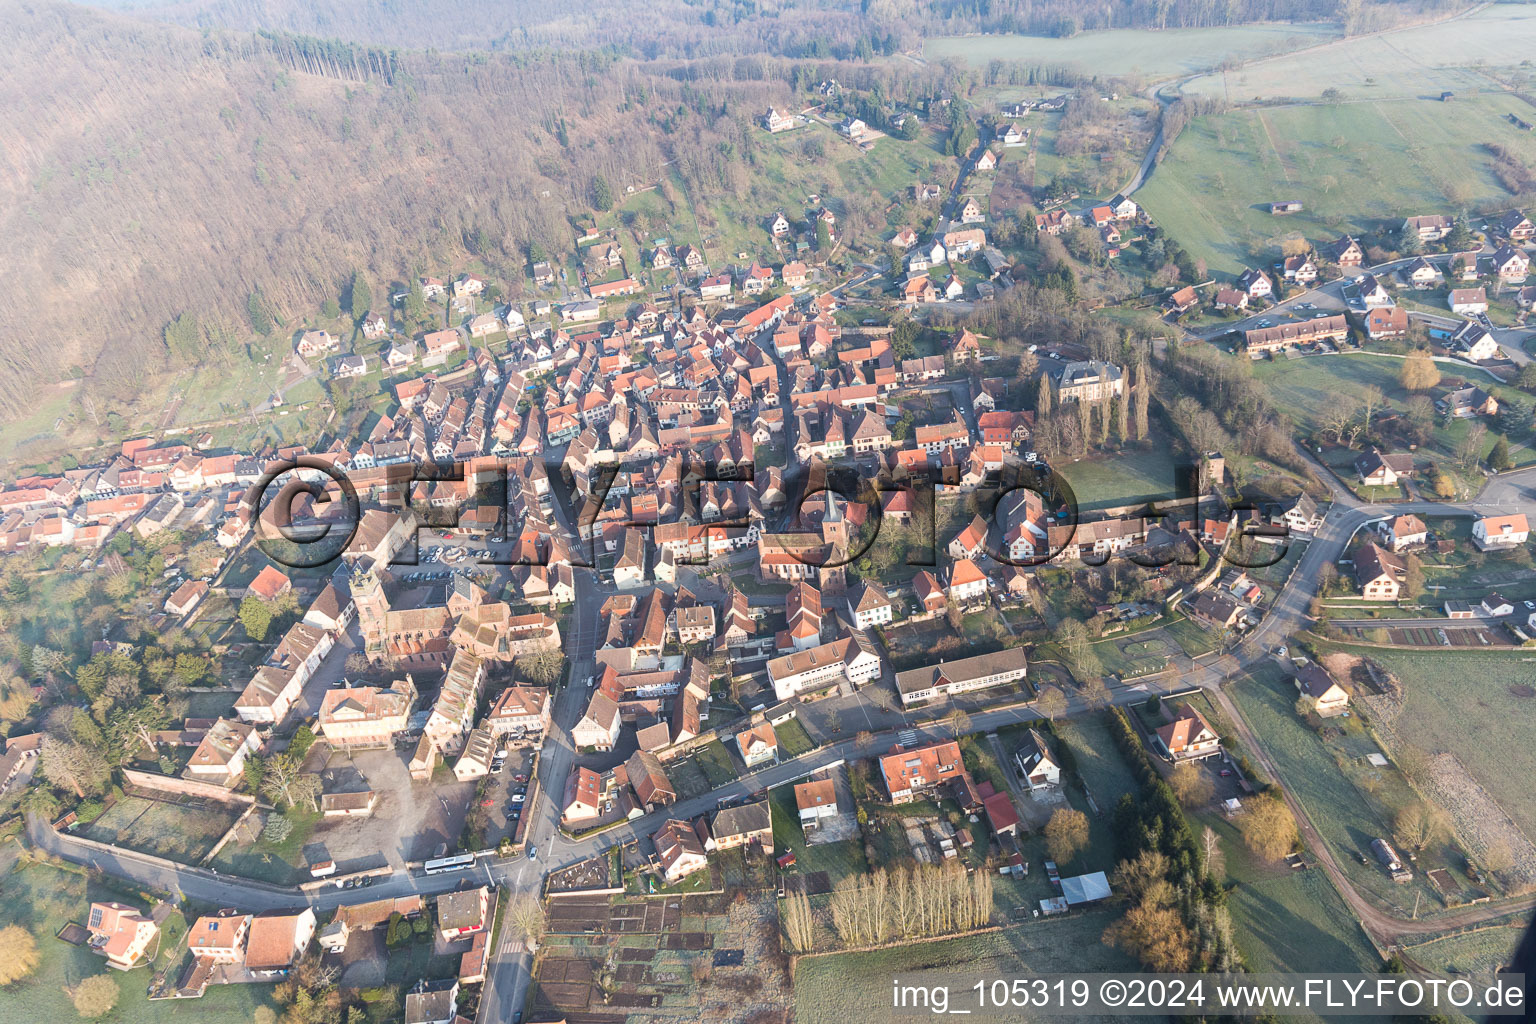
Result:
[147,171]
[693,28]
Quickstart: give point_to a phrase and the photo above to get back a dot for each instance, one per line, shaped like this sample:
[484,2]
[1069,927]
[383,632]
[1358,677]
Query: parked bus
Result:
[442,865]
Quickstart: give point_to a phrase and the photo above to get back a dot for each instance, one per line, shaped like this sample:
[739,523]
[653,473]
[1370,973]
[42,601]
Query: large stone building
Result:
[367,716]
[1089,381]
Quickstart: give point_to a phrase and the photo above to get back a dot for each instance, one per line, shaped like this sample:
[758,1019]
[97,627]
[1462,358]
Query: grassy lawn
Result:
[1404,155]
[1192,637]
[845,987]
[793,740]
[1350,802]
[1480,952]
[43,898]
[1287,920]
[784,171]
[1125,51]
[715,762]
[280,863]
[180,832]
[1124,479]
[1306,387]
[982,761]
[836,859]
[688,778]
[1100,766]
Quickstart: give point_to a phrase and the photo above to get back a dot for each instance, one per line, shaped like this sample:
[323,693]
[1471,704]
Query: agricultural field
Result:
[1356,166]
[1125,479]
[1350,802]
[43,898]
[1135,51]
[1405,62]
[1476,706]
[841,987]
[180,832]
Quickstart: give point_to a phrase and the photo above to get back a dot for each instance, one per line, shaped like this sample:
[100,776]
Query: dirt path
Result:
[1384,929]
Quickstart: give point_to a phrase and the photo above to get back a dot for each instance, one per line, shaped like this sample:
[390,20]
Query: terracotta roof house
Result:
[816,800]
[909,773]
[1002,815]
[1402,532]
[680,850]
[1387,322]
[650,782]
[583,795]
[1188,737]
[929,592]
[220,938]
[869,606]
[1184,298]
[966,582]
[120,933]
[1501,533]
[269,584]
[278,938]
[1467,301]
[220,757]
[186,597]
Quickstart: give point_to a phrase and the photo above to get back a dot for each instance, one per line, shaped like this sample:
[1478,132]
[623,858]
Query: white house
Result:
[869,606]
[1501,533]
[1036,766]
[822,666]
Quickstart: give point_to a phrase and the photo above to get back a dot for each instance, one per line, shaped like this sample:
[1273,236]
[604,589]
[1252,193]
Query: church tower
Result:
[372,605]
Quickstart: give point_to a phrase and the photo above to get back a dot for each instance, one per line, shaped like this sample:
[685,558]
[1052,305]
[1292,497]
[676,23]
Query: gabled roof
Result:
[1185,728]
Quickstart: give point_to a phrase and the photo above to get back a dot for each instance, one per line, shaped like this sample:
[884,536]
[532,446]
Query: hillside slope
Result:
[147,170]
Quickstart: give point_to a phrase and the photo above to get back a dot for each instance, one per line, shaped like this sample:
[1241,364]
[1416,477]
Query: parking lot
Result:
[501,792]
[409,822]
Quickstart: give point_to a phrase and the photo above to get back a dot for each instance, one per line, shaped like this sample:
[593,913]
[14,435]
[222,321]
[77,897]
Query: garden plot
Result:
[183,832]
[675,958]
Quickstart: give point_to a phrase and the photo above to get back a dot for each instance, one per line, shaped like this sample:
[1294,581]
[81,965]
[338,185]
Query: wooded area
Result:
[678,28]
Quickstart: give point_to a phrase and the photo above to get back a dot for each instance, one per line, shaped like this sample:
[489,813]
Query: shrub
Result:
[278,828]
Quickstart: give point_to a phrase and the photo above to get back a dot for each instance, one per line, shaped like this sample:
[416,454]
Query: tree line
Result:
[906,902]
